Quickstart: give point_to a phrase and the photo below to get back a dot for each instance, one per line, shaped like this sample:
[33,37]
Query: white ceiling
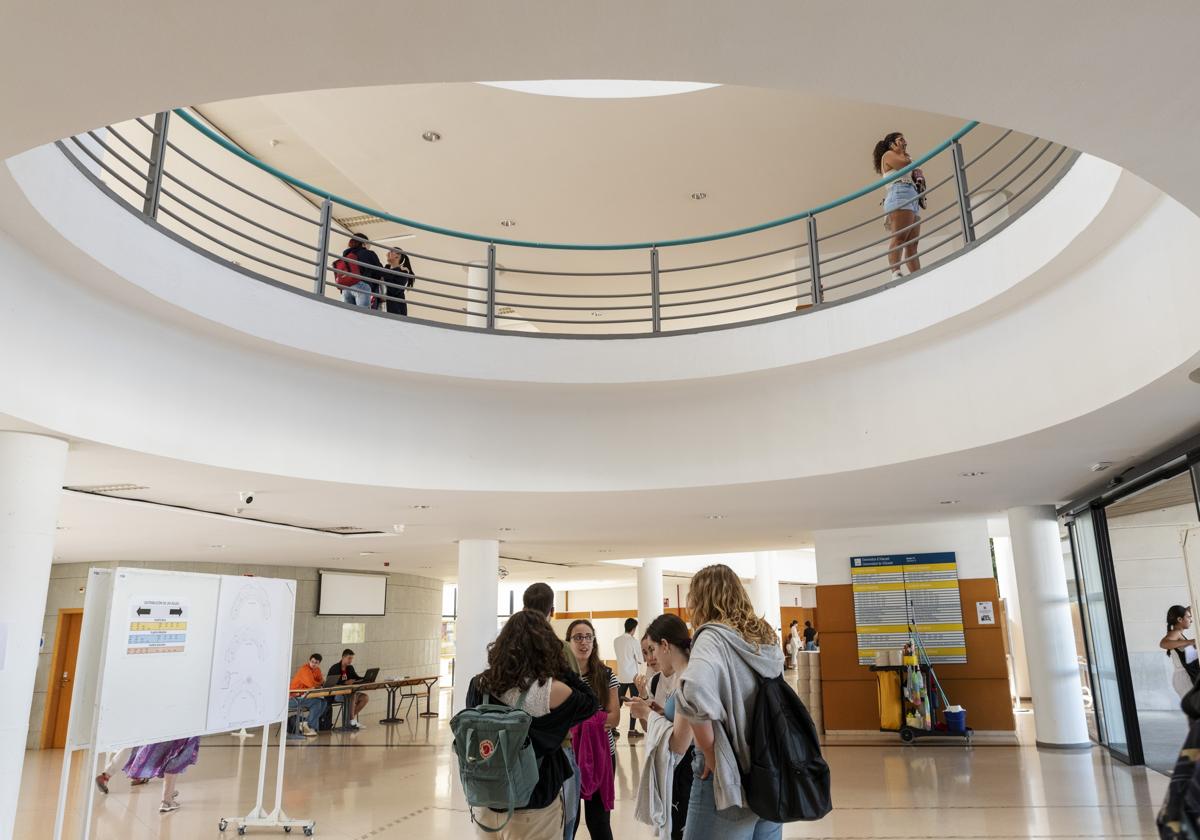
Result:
[575,170]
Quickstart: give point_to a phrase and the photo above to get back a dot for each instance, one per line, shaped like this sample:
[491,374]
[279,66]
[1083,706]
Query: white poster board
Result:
[96,599]
[252,652]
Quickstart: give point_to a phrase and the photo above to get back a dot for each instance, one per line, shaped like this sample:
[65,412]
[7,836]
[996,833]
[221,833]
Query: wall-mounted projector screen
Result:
[345,593]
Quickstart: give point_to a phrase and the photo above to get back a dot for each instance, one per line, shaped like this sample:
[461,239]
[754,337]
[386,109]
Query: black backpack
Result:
[787,780]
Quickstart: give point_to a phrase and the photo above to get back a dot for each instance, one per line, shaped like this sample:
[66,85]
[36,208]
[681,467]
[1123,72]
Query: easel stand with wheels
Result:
[259,817]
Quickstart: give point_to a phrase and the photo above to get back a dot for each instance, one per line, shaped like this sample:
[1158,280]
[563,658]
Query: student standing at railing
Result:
[397,261]
[901,203]
[364,265]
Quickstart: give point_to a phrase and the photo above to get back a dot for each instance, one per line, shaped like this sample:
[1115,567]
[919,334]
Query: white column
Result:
[31,475]
[475,626]
[764,589]
[649,593]
[1046,616]
[1006,577]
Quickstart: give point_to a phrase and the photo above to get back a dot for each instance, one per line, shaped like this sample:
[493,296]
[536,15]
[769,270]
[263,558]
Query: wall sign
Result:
[986,612]
[893,592]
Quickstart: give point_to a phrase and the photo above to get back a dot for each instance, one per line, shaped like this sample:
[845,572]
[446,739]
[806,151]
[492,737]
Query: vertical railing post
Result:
[491,286]
[154,175]
[323,247]
[814,262]
[655,303]
[964,199]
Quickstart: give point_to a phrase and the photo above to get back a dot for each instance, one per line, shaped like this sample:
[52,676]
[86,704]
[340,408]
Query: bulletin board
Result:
[895,591]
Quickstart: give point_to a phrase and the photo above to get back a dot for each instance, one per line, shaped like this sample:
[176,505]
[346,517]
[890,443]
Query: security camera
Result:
[246,497]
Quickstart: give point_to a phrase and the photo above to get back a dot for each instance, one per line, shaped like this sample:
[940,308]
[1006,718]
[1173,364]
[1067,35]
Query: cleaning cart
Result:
[911,698]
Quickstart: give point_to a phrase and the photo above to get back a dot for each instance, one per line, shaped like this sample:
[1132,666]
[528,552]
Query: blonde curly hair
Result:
[718,595]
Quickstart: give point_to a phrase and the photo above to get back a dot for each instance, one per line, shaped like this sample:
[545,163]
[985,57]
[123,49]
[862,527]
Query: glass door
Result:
[1107,662]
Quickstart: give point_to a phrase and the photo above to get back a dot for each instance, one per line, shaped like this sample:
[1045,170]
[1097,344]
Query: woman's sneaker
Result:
[168,805]
[307,730]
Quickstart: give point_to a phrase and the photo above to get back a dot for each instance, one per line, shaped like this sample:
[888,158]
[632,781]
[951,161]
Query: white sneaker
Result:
[168,806]
[897,274]
[356,724]
[307,730]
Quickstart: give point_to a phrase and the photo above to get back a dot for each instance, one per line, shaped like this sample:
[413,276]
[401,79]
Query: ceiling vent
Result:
[348,529]
[359,220]
[106,488]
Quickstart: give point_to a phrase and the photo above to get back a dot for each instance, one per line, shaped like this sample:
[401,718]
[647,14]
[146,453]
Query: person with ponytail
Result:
[902,203]
[666,781]
[1187,663]
[732,649]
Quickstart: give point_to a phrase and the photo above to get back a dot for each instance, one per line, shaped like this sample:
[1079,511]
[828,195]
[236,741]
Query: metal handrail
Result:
[264,215]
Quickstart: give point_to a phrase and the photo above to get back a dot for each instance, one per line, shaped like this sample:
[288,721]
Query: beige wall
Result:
[404,642]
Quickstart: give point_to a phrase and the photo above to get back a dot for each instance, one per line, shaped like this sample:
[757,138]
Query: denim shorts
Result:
[901,195]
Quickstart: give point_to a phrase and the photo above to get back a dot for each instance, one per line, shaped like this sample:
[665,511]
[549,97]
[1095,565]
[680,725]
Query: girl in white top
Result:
[1187,666]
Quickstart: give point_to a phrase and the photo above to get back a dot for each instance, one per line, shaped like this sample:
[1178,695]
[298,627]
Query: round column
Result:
[475,626]
[1046,616]
[649,593]
[764,589]
[31,476]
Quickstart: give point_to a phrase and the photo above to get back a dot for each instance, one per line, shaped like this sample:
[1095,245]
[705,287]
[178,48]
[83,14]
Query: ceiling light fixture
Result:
[1100,466]
[948,502]
[216,546]
[367,553]
[508,223]
[506,529]
[419,507]
[431,136]
[972,474]
[714,516]
[699,196]
[600,88]
[1195,376]
[398,528]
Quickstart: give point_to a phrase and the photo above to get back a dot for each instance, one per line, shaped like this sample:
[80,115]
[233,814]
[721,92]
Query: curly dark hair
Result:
[526,651]
[882,146]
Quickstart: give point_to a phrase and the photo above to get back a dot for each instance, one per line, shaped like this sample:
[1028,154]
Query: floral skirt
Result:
[153,761]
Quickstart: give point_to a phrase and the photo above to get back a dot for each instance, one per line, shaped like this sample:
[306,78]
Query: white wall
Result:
[967,538]
[1147,551]
[795,595]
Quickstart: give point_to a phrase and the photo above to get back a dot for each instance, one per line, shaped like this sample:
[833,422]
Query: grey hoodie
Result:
[719,685]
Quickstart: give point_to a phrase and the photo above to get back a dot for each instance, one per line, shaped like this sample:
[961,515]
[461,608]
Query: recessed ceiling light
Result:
[367,553]
[714,516]
[948,502]
[431,136]
[1100,466]
[216,545]
[419,507]
[699,196]
[506,529]
[597,314]
[972,474]
[605,550]
[1195,376]
[508,223]
[398,528]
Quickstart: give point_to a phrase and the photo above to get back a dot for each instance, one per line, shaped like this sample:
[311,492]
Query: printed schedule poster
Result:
[894,591]
[157,626]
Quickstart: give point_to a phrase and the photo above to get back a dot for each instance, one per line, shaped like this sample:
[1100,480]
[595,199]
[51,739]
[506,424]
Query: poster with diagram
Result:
[893,592]
[252,652]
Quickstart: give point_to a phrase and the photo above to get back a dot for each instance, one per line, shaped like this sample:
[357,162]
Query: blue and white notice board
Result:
[894,591]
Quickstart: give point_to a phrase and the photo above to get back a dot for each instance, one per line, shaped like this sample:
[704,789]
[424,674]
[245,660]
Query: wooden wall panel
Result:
[850,704]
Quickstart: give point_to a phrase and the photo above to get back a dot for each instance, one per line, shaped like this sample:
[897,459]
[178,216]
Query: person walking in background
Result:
[357,272]
[595,782]
[732,649]
[810,636]
[164,760]
[629,661]
[793,645]
[901,203]
[105,776]
[309,710]
[527,657]
[397,261]
[1187,666]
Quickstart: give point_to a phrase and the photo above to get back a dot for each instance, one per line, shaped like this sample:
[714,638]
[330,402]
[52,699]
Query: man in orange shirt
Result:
[311,709]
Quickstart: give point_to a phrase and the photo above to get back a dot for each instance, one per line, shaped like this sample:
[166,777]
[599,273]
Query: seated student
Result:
[527,656]
[346,675]
[308,676]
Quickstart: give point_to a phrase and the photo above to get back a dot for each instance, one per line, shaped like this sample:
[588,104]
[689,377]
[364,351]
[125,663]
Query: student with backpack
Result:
[357,271]
[757,749]
[508,739]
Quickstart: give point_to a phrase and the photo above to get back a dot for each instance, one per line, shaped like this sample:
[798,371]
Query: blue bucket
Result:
[956,722]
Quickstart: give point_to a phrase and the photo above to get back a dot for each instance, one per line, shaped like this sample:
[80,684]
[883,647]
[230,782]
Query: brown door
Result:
[62,679]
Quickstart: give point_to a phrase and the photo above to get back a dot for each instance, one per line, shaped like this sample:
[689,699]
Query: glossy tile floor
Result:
[386,783]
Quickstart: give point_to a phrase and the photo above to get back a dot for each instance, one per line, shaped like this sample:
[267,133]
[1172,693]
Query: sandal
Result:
[102,782]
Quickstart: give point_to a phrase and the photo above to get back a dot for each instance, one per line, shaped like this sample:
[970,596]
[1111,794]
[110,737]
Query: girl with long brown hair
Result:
[732,649]
[527,658]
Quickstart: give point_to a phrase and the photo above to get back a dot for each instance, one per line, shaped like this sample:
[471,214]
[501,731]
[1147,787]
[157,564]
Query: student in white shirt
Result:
[629,661]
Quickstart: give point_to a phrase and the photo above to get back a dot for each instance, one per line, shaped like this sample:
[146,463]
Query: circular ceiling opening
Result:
[601,88]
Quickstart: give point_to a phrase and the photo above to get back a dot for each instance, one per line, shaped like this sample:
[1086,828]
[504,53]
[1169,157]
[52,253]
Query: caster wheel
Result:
[241,829]
[907,735]
[308,831]
[287,829]
[222,825]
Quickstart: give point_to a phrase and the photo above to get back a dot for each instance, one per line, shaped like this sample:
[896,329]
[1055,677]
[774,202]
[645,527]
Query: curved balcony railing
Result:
[182,175]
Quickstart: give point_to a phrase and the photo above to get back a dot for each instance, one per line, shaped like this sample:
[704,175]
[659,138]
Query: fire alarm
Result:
[386,564]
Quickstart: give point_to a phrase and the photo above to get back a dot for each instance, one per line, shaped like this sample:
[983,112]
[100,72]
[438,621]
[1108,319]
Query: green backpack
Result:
[496,763]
